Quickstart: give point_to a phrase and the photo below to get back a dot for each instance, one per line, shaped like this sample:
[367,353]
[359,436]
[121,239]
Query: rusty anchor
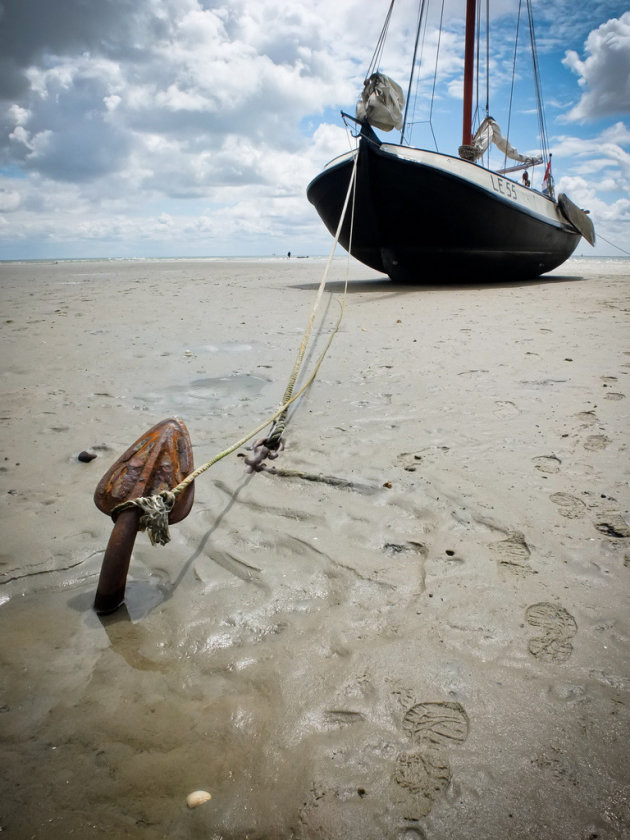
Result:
[158,460]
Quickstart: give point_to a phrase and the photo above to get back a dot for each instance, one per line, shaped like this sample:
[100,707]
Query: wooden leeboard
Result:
[578,218]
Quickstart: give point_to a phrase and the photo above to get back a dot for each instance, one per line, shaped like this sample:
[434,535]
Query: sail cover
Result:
[381,103]
[489,132]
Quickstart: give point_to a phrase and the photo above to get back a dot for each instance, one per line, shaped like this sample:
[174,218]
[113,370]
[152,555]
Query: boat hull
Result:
[425,217]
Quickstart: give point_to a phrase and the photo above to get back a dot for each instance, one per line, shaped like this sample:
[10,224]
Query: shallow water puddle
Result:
[211,390]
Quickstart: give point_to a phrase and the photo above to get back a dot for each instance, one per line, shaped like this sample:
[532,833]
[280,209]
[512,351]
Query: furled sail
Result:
[381,103]
[489,132]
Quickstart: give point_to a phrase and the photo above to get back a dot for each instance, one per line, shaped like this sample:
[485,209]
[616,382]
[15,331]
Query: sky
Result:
[157,128]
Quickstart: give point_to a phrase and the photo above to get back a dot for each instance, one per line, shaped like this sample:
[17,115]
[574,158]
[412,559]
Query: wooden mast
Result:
[469,62]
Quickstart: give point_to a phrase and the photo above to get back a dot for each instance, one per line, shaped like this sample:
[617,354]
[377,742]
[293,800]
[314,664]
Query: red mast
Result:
[469,61]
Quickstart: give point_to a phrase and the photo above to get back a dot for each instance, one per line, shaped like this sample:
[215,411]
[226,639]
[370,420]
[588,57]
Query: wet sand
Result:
[437,648]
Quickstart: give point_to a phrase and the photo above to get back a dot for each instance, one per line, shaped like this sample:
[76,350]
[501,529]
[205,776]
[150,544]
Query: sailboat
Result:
[417,214]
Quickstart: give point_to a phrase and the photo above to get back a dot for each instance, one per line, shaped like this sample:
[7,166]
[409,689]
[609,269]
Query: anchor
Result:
[158,460]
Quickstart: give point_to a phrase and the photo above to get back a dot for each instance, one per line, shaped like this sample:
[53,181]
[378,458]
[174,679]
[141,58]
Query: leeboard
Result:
[578,218]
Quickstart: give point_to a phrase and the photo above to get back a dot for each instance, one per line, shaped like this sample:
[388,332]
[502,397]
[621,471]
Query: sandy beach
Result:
[427,639]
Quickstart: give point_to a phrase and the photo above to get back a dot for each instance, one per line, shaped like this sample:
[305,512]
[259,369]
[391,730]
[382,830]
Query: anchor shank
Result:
[110,593]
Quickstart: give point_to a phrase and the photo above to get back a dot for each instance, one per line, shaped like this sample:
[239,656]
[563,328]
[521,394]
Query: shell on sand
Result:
[197,798]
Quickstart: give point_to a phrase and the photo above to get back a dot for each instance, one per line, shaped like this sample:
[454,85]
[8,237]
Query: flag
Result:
[547,184]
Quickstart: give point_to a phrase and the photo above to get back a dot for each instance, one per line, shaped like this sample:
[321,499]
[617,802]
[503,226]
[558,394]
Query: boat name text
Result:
[504,187]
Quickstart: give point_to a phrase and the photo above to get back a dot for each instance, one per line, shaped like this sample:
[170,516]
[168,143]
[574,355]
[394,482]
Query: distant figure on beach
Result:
[526,181]
[288,255]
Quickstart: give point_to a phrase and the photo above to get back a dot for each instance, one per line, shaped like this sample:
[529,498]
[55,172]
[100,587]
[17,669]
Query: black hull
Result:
[419,223]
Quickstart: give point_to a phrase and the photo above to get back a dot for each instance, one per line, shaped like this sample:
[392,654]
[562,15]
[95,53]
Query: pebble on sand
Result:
[86,456]
[197,797]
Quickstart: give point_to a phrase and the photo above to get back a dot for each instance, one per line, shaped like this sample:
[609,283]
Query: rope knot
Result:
[155,513]
[268,447]
[468,153]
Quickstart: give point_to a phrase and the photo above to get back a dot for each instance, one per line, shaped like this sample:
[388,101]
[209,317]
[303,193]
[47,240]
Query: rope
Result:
[154,519]
[156,509]
[413,67]
[608,242]
[467,153]
[435,72]
[542,126]
[273,442]
[518,26]
[378,52]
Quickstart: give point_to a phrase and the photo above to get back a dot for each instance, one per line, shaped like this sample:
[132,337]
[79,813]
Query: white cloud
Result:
[617,133]
[197,124]
[604,150]
[605,73]
[9,199]
[328,142]
[585,194]
[20,135]
[596,176]
[17,114]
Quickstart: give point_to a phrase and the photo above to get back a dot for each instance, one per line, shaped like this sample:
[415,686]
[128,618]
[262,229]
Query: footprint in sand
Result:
[422,773]
[568,505]
[409,546]
[587,418]
[613,525]
[547,463]
[611,395]
[513,553]
[506,408]
[596,442]
[436,723]
[558,628]
[409,460]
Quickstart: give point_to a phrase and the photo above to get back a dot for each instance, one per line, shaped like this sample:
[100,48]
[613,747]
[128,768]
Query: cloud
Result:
[227,201]
[607,214]
[605,73]
[596,176]
[9,200]
[32,31]
[596,153]
[100,85]
[181,95]
[558,22]
[151,126]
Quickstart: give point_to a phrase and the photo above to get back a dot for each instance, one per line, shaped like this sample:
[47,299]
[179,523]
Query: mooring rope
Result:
[155,509]
[273,442]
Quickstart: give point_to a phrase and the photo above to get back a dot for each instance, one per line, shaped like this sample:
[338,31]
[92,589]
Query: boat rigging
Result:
[420,213]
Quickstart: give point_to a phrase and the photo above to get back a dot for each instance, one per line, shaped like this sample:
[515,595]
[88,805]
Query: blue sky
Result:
[152,128]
